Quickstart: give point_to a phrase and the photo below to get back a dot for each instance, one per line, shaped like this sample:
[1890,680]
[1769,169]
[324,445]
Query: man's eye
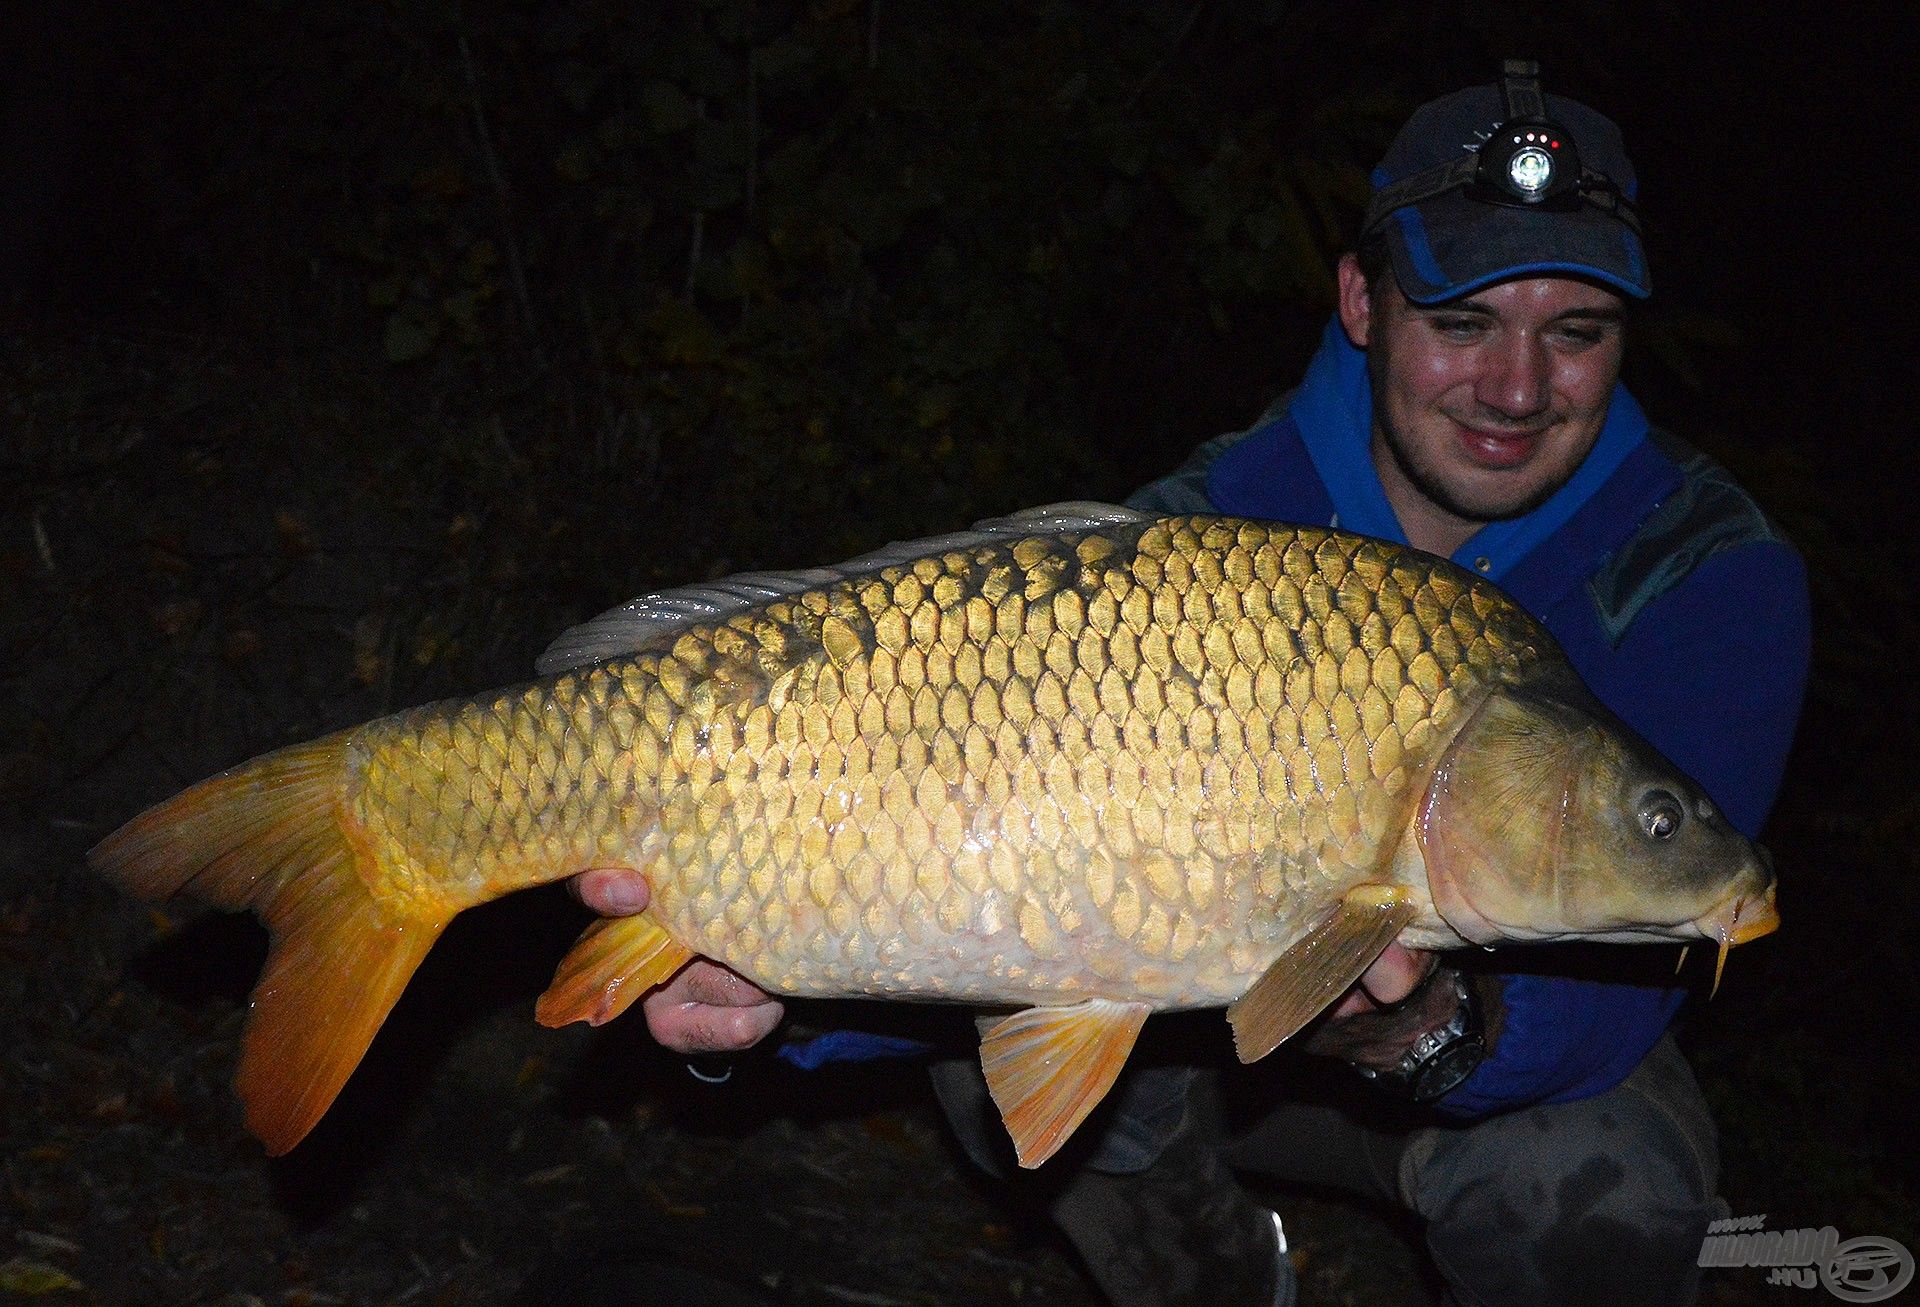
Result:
[1458,326]
[1583,334]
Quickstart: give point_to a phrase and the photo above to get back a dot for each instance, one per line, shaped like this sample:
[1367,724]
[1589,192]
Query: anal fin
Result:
[1047,1067]
[1317,969]
[614,962]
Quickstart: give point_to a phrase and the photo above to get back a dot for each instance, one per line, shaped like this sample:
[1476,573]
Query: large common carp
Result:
[1079,761]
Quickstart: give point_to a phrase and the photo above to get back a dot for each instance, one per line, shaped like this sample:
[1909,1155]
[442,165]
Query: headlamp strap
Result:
[1524,102]
[1602,194]
[1421,186]
[1520,88]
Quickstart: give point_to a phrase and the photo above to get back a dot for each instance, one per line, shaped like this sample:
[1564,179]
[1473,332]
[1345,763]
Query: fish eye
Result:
[1660,815]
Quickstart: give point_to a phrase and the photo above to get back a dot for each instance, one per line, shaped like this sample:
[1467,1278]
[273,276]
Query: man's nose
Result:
[1515,383]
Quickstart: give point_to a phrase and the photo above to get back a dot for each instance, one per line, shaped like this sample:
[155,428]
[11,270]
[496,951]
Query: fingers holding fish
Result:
[706,1008]
[709,1009]
[1389,982]
[611,891]
[1379,1037]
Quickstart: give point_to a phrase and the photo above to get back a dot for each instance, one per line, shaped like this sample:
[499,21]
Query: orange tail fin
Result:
[274,836]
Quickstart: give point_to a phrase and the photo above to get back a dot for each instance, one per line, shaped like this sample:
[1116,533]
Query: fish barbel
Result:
[1080,761]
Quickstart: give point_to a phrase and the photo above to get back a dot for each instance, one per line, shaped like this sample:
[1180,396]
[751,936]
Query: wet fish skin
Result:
[1123,768]
[1126,765]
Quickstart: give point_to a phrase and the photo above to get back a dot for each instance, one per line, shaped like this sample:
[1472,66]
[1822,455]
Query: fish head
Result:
[1547,818]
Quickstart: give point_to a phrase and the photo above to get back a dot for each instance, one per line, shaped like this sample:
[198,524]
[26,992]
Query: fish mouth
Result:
[1741,919]
[1737,921]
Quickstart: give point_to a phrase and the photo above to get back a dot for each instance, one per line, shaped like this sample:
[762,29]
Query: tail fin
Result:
[274,836]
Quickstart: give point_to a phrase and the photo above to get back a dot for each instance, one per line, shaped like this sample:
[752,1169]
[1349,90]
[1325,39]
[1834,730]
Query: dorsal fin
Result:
[654,618]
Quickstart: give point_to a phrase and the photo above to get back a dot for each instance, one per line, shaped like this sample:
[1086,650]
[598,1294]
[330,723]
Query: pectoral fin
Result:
[1318,969]
[614,962]
[1047,1067]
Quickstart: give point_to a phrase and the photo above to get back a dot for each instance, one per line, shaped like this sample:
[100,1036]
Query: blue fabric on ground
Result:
[848,1046]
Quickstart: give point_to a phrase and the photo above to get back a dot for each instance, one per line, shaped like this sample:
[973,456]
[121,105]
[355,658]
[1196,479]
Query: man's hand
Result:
[704,1009]
[1369,1026]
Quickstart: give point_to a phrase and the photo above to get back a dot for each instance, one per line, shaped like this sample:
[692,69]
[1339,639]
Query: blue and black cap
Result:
[1502,181]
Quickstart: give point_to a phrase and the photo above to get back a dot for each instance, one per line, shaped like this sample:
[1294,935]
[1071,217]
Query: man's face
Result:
[1484,405]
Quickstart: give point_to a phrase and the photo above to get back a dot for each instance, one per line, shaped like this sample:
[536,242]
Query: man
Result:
[1465,400]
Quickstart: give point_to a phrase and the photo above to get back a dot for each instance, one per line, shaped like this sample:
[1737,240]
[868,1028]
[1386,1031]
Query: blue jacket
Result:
[1679,603]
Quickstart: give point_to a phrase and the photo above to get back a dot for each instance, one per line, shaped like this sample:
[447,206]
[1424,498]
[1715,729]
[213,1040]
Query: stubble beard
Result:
[1434,489]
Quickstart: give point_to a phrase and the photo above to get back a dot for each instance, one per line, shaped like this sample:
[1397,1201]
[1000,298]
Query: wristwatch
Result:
[1441,1058]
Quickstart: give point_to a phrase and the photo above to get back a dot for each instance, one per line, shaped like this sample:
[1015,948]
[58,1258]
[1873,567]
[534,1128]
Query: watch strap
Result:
[1440,1059]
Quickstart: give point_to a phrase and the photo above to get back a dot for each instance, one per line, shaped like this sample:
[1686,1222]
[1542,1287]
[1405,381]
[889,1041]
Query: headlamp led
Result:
[1528,161]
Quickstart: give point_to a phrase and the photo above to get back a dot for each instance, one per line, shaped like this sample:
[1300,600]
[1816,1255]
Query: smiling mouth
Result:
[1494,448]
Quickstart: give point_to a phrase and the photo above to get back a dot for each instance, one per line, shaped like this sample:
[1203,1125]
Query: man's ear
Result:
[1356,306]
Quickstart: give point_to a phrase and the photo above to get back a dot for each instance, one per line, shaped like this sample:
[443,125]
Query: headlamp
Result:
[1528,161]
[1530,172]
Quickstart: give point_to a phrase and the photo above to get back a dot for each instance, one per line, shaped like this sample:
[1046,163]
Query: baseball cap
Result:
[1452,243]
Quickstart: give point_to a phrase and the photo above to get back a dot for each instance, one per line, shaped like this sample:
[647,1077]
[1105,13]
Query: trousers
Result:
[1604,1200]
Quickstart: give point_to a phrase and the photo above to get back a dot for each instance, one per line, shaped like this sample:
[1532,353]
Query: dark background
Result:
[349,351]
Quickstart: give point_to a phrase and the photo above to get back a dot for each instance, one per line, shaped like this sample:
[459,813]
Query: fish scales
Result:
[1075,761]
[928,783]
